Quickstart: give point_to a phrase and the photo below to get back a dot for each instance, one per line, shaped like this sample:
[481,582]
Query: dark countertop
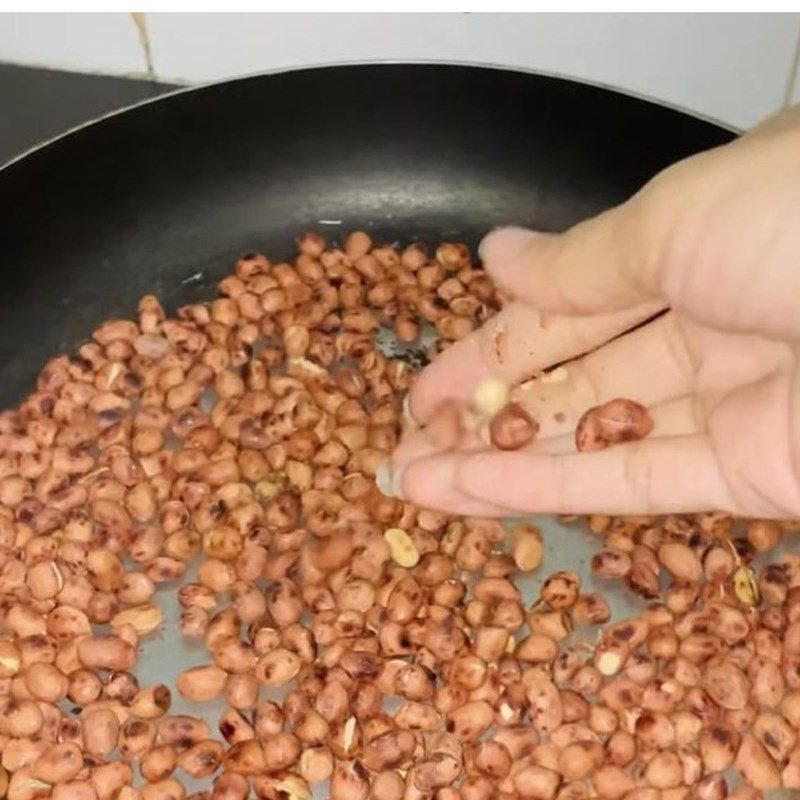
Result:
[39,104]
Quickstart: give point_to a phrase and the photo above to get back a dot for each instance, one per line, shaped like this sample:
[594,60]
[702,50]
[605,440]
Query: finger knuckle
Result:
[638,474]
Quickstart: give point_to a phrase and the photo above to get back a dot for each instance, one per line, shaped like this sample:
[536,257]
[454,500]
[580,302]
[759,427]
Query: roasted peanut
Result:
[612,423]
[512,428]
[246,433]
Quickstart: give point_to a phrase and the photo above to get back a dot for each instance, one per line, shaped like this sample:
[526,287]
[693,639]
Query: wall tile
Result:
[794,95]
[732,67]
[86,42]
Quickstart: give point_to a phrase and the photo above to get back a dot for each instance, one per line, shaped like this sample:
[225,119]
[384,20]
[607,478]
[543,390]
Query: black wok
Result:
[160,198]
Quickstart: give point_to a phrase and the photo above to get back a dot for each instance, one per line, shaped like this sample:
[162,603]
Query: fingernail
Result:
[504,245]
[389,481]
[408,418]
[383,479]
[397,483]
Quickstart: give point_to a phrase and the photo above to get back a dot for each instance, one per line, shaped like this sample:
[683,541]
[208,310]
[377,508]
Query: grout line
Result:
[140,21]
[77,69]
[794,74]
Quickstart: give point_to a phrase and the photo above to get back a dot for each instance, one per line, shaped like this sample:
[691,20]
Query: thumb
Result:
[592,268]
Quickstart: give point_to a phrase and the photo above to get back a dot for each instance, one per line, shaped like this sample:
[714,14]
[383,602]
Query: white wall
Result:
[90,42]
[733,67]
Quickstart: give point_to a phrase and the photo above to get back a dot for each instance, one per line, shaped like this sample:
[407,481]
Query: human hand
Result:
[716,240]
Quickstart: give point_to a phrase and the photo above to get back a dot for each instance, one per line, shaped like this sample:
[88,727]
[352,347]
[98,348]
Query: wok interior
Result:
[160,199]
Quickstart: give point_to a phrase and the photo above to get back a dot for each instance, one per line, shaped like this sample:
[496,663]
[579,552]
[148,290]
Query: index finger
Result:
[515,345]
[678,474]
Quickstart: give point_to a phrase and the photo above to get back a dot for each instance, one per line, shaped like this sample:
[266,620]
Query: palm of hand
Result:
[747,398]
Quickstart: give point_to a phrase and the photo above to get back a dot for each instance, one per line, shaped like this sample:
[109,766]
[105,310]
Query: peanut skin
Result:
[614,422]
[512,428]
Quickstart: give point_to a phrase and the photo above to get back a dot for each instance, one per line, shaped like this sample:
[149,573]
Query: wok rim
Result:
[476,65]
